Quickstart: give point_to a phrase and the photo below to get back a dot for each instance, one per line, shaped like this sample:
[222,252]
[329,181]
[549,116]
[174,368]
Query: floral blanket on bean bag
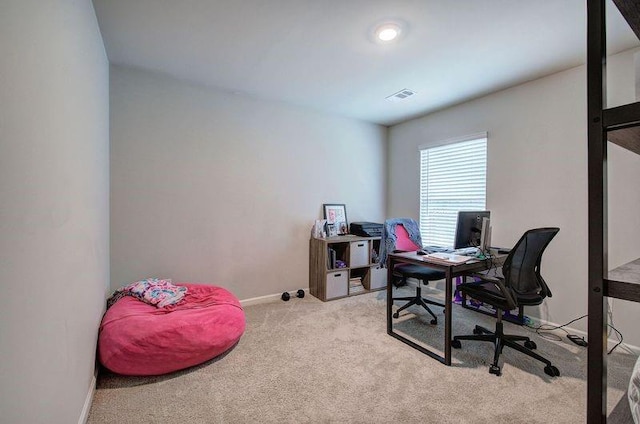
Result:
[154,291]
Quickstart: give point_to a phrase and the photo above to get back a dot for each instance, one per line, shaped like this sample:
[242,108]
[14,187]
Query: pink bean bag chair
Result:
[139,339]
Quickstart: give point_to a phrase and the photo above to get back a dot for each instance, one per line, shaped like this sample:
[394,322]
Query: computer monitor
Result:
[469,229]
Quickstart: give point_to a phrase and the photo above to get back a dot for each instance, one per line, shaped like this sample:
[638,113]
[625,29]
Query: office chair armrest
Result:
[545,288]
[508,294]
[484,277]
[499,282]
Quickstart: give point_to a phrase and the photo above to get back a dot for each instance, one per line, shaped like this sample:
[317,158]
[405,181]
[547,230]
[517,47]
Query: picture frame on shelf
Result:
[336,216]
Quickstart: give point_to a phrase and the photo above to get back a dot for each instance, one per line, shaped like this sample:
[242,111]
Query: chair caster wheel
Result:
[530,345]
[493,369]
[551,371]
[434,322]
[396,315]
[456,344]
[476,330]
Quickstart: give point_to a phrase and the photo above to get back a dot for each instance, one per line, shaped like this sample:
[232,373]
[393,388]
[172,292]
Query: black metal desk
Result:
[451,271]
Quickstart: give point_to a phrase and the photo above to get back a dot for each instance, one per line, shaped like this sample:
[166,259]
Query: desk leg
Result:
[389,295]
[446,359]
[447,316]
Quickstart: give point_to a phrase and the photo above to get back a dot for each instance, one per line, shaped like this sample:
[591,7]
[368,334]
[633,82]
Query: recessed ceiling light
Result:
[388,31]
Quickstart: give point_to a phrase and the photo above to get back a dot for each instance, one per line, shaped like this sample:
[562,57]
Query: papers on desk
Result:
[448,258]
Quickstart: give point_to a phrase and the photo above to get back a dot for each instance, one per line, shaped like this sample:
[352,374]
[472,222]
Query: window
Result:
[453,177]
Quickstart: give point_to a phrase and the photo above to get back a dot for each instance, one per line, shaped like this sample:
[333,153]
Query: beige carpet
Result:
[305,361]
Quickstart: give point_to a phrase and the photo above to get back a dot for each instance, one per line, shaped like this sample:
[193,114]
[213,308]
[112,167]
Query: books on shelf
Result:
[331,258]
[355,285]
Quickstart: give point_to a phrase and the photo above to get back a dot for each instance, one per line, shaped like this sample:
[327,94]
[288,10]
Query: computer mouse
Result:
[421,252]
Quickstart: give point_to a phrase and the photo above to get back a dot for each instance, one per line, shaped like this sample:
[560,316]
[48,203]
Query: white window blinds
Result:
[453,177]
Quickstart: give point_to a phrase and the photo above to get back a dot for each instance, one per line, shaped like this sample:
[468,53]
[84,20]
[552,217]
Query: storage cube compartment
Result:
[358,280]
[336,254]
[375,251]
[359,253]
[378,278]
[337,284]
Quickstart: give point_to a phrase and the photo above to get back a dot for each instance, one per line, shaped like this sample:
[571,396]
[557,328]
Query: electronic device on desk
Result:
[448,258]
[485,234]
[435,249]
[366,229]
[473,230]
[467,251]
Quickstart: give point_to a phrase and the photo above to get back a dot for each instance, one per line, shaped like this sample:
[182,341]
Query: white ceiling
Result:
[320,54]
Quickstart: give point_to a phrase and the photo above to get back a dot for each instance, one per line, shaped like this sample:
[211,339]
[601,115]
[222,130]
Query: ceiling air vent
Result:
[400,95]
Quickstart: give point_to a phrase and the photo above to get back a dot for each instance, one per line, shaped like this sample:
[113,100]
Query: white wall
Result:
[54,187]
[208,186]
[537,176]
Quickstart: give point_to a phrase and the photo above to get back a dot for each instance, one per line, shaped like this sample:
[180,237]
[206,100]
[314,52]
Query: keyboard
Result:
[437,249]
[467,251]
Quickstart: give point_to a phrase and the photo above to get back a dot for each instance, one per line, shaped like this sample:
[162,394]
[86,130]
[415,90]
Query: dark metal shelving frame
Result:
[619,125]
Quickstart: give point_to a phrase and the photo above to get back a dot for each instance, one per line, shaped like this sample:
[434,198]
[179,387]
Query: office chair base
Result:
[495,370]
[434,321]
[552,371]
[420,301]
[500,340]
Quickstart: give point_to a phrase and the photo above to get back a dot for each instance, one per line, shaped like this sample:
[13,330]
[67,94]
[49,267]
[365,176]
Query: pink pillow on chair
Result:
[403,242]
[139,339]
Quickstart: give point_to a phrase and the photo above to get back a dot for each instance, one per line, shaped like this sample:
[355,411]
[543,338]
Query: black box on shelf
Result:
[366,229]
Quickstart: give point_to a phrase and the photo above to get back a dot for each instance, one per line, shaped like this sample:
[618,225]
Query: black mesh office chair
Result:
[397,239]
[520,284]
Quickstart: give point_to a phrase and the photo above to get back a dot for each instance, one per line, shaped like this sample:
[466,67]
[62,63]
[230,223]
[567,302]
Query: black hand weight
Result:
[286,296]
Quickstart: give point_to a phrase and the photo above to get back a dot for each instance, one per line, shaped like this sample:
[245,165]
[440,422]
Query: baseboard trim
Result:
[84,416]
[269,298]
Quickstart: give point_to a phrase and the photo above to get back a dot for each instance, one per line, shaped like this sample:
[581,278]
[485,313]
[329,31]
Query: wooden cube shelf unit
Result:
[360,258]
